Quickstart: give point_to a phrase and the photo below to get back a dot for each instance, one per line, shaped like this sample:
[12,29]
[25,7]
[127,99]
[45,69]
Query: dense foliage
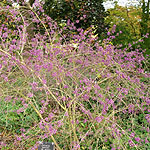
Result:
[127,20]
[83,13]
[145,23]
[134,23]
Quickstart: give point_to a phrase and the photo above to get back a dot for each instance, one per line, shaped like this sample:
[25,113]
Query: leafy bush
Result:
[81,94]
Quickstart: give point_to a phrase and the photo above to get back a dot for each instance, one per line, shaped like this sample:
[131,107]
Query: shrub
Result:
[80,95]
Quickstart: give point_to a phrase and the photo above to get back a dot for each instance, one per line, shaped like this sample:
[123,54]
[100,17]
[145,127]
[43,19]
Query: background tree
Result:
[134,22]
[126,20]
[87,12]
[145,23]
[145,16]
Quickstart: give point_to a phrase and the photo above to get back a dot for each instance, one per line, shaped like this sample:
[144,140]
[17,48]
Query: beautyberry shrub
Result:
[79,94]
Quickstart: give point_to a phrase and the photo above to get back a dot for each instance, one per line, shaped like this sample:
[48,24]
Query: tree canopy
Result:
[83,13]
